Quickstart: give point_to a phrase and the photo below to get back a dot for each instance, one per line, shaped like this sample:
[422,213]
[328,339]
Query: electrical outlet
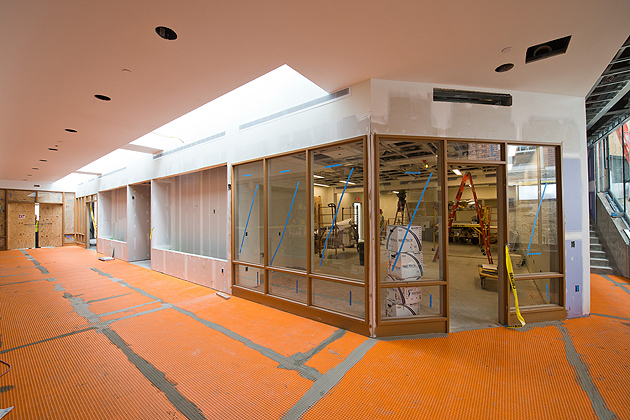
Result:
[577,287]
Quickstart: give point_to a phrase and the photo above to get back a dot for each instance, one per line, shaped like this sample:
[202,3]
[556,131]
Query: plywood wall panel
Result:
[49,197]
[20,225]
[15,196]
[3,215]
[50,224]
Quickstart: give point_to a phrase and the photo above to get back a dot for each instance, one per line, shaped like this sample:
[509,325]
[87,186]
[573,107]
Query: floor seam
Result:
[328,381]
[584,378]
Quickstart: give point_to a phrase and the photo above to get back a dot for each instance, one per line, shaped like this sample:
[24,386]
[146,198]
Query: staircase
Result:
[599,262]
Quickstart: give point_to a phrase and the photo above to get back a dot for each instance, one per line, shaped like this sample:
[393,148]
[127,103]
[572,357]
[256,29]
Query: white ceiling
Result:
[56,55]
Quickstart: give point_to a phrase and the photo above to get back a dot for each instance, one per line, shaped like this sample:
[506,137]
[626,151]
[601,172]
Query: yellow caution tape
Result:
[151,233]
[508,264]
[91,206]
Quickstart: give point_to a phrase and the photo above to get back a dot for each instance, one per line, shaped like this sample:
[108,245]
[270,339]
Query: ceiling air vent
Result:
[547,49]
[471,97]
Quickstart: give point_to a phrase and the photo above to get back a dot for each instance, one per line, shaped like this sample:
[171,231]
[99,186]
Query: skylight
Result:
[275,91]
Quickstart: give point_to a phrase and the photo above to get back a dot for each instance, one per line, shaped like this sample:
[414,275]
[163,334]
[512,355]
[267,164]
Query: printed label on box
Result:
[409,265]
[396,234]
[404,295]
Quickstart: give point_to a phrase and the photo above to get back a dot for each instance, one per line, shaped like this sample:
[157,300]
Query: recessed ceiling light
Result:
[53,149]
[103,98]
[504,67]
[166,33]
[71,130]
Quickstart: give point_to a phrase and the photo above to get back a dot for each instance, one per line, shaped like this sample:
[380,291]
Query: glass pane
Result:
[250,277]
[533,215]
[249,213]
[619,157]
[287,286]
[286,180]
[536,292]
[410,188]
[338,211]
[339,297]
[473,151]
[410,302]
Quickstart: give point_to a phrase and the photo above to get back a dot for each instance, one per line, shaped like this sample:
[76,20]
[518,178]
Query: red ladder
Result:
[483,228]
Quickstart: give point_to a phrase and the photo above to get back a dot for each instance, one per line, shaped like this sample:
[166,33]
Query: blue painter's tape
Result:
[285,171]
[335,217]
[414,173]
[247,224]
[411,221]
[332,166]
[286,223]
[350,297]
[547,292]
[535,219]
[430,301]
[247,175]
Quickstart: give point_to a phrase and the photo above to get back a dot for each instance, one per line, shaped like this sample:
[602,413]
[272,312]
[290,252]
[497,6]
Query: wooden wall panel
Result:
[20,225]
[50,224]
[3,221]
[21,196]
[68,218]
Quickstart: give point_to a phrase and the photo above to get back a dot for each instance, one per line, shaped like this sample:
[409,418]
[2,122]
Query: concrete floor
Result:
[88,339]
[471,306]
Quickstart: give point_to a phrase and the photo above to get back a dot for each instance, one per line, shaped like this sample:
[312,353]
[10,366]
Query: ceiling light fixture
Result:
[71,130]
[504,67]
[166,33]
[320,185]
[317,176]
[349,182]
[395,192]
[103,97]
[457,171]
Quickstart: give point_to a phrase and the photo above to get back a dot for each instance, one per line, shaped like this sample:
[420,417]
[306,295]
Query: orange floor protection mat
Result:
[109,340]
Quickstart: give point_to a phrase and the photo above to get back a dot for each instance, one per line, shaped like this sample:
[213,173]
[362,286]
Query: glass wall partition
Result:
[536,244]
[618,166]
[410,272]
[299,232]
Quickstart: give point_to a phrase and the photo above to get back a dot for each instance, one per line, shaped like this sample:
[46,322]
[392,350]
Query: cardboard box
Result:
[408,265]
[403,295]
[394,310]
[396,234]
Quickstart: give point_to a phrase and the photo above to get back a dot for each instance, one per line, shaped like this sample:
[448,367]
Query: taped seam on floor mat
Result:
[584,378]
[328,381]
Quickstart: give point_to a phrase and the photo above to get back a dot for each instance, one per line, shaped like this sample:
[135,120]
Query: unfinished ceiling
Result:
[56,56]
